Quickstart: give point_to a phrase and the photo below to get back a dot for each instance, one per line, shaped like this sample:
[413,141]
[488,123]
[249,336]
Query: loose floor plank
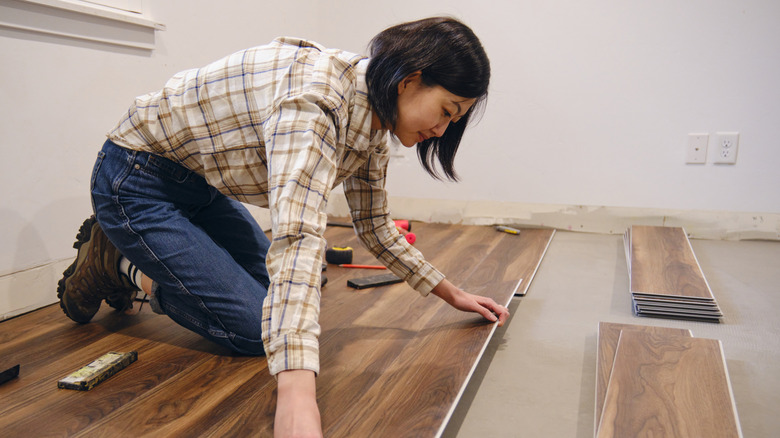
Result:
[608,336]
[668,386]
[663,263]
[393,363]
[665,277]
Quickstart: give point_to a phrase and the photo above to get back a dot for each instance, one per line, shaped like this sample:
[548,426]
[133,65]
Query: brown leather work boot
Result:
[93,276]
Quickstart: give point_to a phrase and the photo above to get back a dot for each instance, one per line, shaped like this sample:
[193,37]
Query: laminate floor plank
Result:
[249,412]
[678,316]
[663,263]
[427,315]
[665,277]
[393,363]
[530,258]
[182,405]
[675,310]
[449,336]
[400,307]
[21,331]
[608,336]
[53,337]
[668,386]
[342,306]
[436,350]
[76,411]
[669,302]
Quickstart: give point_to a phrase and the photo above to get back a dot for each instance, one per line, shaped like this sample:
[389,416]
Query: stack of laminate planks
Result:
[665,277]
[661,382]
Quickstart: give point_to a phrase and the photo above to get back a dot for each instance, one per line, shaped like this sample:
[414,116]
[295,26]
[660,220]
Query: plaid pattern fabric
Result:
[279,126]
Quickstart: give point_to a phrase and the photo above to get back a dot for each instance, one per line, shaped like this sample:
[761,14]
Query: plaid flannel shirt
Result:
[279,126]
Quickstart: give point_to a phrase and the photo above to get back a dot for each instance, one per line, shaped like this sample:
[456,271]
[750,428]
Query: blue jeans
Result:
[203,250]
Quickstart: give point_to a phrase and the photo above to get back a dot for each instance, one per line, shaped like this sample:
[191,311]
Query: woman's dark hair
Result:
[448,54]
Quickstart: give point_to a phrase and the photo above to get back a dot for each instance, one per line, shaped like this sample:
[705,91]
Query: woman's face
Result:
[426,111]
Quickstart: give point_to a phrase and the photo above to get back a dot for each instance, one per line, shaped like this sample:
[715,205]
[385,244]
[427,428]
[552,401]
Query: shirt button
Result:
[137,167]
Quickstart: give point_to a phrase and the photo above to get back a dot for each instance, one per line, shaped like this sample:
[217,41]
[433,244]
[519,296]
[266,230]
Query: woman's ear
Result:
[411,80]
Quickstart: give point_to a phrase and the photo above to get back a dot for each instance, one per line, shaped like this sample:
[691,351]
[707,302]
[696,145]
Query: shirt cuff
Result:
[294,352]
[424,279]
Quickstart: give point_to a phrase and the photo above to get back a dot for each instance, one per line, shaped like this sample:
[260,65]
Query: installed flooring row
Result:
[393,364]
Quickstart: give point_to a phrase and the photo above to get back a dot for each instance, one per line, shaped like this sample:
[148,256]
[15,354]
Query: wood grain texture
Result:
[662,263]
[527,262]
[675,386]
[608,336]
[665,277]
[392,363]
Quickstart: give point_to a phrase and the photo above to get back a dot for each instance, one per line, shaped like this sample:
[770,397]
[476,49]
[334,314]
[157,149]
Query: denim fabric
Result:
[203,250]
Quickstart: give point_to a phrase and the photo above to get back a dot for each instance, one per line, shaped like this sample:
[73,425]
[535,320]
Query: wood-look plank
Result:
[401,307]
[662,263]
[671,302]
[182,406]
[165,352]
[668,386]
[392,363]
[666,280]
[674,310]
[679,298]
[527,263]
[680,316]
[403,403]
[71,412]
[608,336]
[443,341]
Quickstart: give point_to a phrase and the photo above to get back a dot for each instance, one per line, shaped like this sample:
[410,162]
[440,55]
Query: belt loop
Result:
[131,155]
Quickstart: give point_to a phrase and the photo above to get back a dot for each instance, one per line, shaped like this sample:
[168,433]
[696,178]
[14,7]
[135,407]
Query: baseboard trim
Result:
[31,289]
[712,225]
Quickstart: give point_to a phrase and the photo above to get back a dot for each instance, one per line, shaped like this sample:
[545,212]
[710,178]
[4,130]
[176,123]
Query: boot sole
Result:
[83,236]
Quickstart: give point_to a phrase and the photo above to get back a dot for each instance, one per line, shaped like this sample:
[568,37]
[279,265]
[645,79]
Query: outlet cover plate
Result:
[726,146]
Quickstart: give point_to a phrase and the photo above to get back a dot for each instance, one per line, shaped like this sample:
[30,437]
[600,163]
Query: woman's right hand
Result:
[297,414]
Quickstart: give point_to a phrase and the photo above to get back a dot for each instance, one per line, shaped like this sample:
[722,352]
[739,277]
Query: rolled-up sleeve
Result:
[367,199]
[302,156]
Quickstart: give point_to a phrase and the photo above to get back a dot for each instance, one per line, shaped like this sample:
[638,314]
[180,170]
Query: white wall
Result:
[60,96]
[591,103]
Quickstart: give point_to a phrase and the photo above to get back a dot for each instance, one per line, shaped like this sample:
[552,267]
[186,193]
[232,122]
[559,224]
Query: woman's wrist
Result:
[446,291]
[297,381]
[297,413]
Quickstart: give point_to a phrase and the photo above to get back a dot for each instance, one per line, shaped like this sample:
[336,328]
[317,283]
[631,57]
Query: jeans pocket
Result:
[98,162]
[165,168]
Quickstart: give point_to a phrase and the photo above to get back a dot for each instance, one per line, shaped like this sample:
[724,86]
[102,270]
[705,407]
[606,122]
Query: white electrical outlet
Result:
[697,148]
[726,147]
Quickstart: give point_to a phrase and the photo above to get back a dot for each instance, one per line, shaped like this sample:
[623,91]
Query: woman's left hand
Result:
[467,302]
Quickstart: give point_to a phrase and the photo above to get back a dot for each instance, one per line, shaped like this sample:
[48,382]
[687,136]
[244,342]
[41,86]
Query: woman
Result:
[277,126]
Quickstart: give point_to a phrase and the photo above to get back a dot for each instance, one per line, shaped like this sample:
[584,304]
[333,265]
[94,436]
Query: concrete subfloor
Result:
[537,377]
